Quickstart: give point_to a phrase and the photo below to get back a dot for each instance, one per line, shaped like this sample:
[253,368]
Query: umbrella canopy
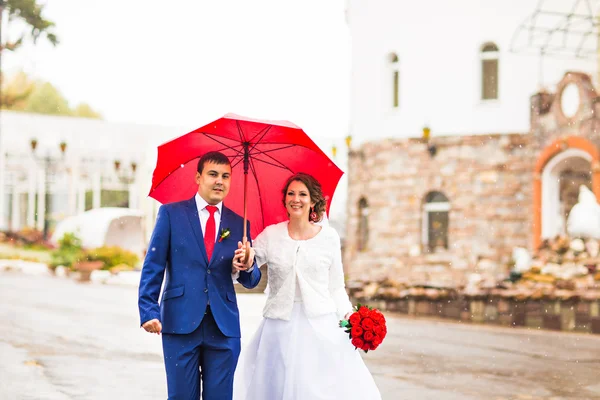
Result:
[263,155]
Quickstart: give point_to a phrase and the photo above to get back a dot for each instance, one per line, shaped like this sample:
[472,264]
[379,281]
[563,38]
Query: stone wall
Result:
[487,179]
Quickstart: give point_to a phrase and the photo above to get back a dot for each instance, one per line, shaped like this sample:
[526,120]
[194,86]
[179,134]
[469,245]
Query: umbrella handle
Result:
[246,244]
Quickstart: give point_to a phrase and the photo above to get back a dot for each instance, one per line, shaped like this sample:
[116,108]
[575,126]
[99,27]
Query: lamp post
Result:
[47,161]
[126,176]
[431,148]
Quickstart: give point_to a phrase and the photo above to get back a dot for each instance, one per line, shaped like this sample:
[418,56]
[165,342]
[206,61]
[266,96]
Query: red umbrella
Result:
[263,155]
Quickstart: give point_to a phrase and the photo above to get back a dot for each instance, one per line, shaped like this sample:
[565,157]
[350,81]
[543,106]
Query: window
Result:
[489,71]
[395,74]
[435,222]
[363,224]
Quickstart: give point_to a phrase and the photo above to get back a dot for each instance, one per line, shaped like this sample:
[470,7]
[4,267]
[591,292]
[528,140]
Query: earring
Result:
[313,215]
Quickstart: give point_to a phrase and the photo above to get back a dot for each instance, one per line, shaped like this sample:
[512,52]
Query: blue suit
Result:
[195,336]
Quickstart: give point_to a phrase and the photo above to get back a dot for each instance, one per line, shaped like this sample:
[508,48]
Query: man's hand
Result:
[240,254]
[153,326]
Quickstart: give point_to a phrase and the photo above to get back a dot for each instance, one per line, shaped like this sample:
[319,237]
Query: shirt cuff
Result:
[234,276]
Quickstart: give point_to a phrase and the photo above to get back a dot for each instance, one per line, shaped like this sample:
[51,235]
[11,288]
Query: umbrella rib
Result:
[274,160]
[226,146]
[262,132]
[275,149]
[282,166]
[240,132]
[236,163]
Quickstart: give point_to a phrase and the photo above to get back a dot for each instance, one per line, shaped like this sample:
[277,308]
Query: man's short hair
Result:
[213,157]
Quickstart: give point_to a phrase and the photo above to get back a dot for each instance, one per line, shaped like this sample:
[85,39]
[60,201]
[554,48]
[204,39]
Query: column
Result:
[41,189]
[133,195]
[15,223]
[96,188]
[31,197]
[80,198]
[73,183]
[3,220]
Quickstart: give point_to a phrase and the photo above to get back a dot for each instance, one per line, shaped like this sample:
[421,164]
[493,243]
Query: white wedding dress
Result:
[303,358]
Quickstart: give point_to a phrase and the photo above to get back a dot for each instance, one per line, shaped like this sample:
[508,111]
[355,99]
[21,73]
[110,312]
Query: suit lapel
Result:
[224,224]
[192,213]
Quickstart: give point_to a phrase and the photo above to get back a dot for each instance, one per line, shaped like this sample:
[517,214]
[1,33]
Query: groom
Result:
[196,246]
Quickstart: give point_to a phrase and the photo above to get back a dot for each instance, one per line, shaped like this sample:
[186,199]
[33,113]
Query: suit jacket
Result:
[191,281]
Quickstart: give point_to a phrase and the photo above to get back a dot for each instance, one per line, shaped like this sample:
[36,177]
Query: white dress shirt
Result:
[203,214]
[309,271]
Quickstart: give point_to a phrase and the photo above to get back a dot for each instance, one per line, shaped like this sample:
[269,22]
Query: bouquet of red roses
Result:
[366,327]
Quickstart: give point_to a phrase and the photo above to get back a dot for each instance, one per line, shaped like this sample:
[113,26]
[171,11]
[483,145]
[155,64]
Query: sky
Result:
[188,62]
[184,63]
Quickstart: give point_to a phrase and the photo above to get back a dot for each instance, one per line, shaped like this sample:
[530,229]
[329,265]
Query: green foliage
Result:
[83,110]
[68,253]
[20,93]
[30,13]
[112,256]
[46,99]
[16,91]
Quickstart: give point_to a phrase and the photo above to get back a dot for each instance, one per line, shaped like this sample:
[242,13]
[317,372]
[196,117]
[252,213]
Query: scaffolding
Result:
[560,28]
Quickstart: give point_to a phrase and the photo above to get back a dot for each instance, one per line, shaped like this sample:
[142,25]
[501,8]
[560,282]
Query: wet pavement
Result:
[60,339]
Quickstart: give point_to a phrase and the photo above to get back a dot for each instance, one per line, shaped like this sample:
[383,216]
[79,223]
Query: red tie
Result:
[209,232]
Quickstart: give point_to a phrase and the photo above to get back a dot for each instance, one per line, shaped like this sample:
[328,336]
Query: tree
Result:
[14,93]
[46,99]
[20,93]
[29,12]
[85,111]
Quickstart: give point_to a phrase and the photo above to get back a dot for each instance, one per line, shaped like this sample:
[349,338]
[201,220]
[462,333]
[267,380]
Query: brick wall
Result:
[487,179]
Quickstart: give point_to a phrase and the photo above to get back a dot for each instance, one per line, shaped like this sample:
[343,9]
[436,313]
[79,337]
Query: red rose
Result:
[377,317]
[358,342]
[366,346]
[356,331]
[376,340]
[368,336]
[378,330]
[367,324]
[363,311]
[373,346]
[354,319]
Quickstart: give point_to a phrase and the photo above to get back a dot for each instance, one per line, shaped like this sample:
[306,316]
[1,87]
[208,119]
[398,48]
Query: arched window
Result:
[489,71]
[435,222]
[363,224]
[395,75]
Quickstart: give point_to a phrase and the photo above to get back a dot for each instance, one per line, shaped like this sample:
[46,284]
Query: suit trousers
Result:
[203,361]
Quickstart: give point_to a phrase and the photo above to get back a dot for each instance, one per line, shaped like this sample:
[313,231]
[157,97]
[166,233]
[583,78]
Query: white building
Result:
[92,151]
[448,65]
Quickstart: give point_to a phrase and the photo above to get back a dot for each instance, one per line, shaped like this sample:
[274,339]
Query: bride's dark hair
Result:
[314,189]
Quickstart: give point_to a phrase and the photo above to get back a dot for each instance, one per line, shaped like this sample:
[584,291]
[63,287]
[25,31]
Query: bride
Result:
[299,352]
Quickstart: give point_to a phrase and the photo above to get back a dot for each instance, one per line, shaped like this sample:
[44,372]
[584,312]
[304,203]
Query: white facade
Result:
[438,45]
[87,165]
